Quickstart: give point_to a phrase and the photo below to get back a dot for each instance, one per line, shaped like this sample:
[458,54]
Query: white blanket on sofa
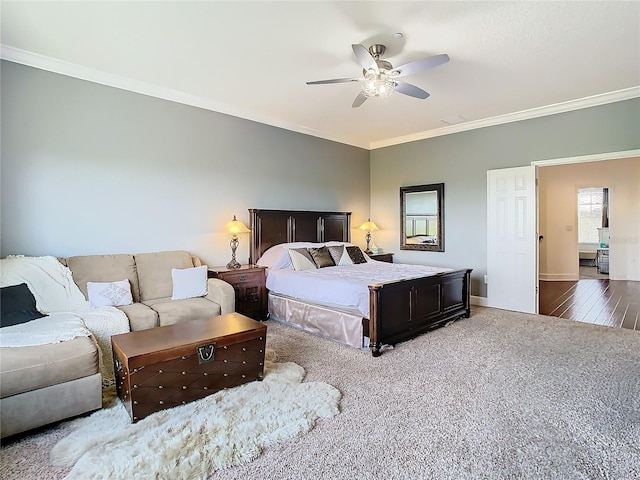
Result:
[55,292]
[54,328]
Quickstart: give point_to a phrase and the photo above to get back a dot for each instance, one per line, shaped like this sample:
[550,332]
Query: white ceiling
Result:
[252,59]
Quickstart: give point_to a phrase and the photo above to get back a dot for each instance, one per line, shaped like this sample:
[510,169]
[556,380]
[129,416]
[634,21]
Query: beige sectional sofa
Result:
[47,383]
[151,286]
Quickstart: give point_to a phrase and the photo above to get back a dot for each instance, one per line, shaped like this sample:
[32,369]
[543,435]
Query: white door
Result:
[512,239]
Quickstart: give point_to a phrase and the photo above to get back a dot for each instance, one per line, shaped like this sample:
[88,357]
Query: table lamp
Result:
[234,227]
[369,226]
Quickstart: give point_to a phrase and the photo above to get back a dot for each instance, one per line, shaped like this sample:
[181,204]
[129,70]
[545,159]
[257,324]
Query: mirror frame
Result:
[434,187]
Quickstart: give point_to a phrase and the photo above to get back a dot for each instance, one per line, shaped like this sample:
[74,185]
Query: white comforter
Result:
[347,285]
[58,296]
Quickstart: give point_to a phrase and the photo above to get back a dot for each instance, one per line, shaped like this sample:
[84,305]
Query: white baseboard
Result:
[558,277]
[480,301]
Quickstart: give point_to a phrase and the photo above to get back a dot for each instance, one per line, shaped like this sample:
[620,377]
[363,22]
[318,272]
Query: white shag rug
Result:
[191,441]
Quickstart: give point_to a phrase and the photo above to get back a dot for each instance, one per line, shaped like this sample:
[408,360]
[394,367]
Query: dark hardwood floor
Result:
[613,303]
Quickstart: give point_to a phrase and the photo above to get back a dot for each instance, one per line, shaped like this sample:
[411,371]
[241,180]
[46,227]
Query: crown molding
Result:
[50,64]
[597,157]
[592,101]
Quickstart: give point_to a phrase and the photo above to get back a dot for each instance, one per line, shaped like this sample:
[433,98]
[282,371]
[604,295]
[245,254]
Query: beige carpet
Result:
[501,395]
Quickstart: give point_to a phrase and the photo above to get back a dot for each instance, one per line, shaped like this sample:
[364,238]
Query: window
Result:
[592,213]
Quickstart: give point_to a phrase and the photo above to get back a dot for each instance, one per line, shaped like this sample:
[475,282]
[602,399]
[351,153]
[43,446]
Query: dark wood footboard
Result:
[401,310]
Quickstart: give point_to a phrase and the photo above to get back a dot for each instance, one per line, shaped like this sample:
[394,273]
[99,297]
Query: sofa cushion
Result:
[104,268]
[24,369]
[178,311]
[140,316]
[154,272]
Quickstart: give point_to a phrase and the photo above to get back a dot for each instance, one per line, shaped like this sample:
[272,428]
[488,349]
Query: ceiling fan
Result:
[380,79]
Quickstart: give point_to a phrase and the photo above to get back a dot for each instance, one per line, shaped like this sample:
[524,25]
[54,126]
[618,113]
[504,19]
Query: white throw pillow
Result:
[189,282]
[109,294]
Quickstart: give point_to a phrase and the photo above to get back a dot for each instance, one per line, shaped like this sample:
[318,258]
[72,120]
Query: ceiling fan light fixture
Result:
[379,78]
[377,85]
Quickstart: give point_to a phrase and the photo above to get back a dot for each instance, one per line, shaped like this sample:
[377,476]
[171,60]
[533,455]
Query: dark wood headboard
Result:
[271,227]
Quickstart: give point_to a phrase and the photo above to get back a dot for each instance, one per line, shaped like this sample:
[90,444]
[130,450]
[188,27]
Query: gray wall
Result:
[461,161]
[93,169]
[90,169]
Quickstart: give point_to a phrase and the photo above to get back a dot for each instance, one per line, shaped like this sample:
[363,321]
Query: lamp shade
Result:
[369,225]
[236,226]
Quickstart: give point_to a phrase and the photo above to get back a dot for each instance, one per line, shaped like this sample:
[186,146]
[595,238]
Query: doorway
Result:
[567,208]
[593,232]
[557,260]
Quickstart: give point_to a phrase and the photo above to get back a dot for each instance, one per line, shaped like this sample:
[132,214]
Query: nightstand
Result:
[381,257]
[249,283]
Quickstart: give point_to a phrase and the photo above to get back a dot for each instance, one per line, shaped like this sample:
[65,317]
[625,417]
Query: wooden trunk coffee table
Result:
[168,366]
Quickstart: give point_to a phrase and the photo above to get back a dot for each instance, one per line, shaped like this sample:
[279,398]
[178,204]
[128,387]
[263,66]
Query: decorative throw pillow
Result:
[321,257]
[189,282]
[109,294]
[340,255]
[301,259]
[356,254]
[17,305]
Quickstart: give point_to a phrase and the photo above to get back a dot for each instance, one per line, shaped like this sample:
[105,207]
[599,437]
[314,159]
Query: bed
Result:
[397,309]
[422,239]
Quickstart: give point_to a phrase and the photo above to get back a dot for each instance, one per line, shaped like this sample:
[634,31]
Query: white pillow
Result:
[109,294]
[189,282]
[276,258]
[333,243]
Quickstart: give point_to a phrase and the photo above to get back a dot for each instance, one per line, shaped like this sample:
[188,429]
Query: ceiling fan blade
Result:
[359,100]
[418,66]
[364,57]
[410,90]
[334,80]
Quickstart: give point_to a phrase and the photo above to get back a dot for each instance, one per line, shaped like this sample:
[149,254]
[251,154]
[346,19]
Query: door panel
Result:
[512,260]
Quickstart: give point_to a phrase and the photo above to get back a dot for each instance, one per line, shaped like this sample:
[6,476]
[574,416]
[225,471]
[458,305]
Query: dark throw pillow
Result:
[356,255]
[17,305]
[322,257]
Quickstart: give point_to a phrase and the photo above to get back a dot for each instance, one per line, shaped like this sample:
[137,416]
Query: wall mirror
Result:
[422,217]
